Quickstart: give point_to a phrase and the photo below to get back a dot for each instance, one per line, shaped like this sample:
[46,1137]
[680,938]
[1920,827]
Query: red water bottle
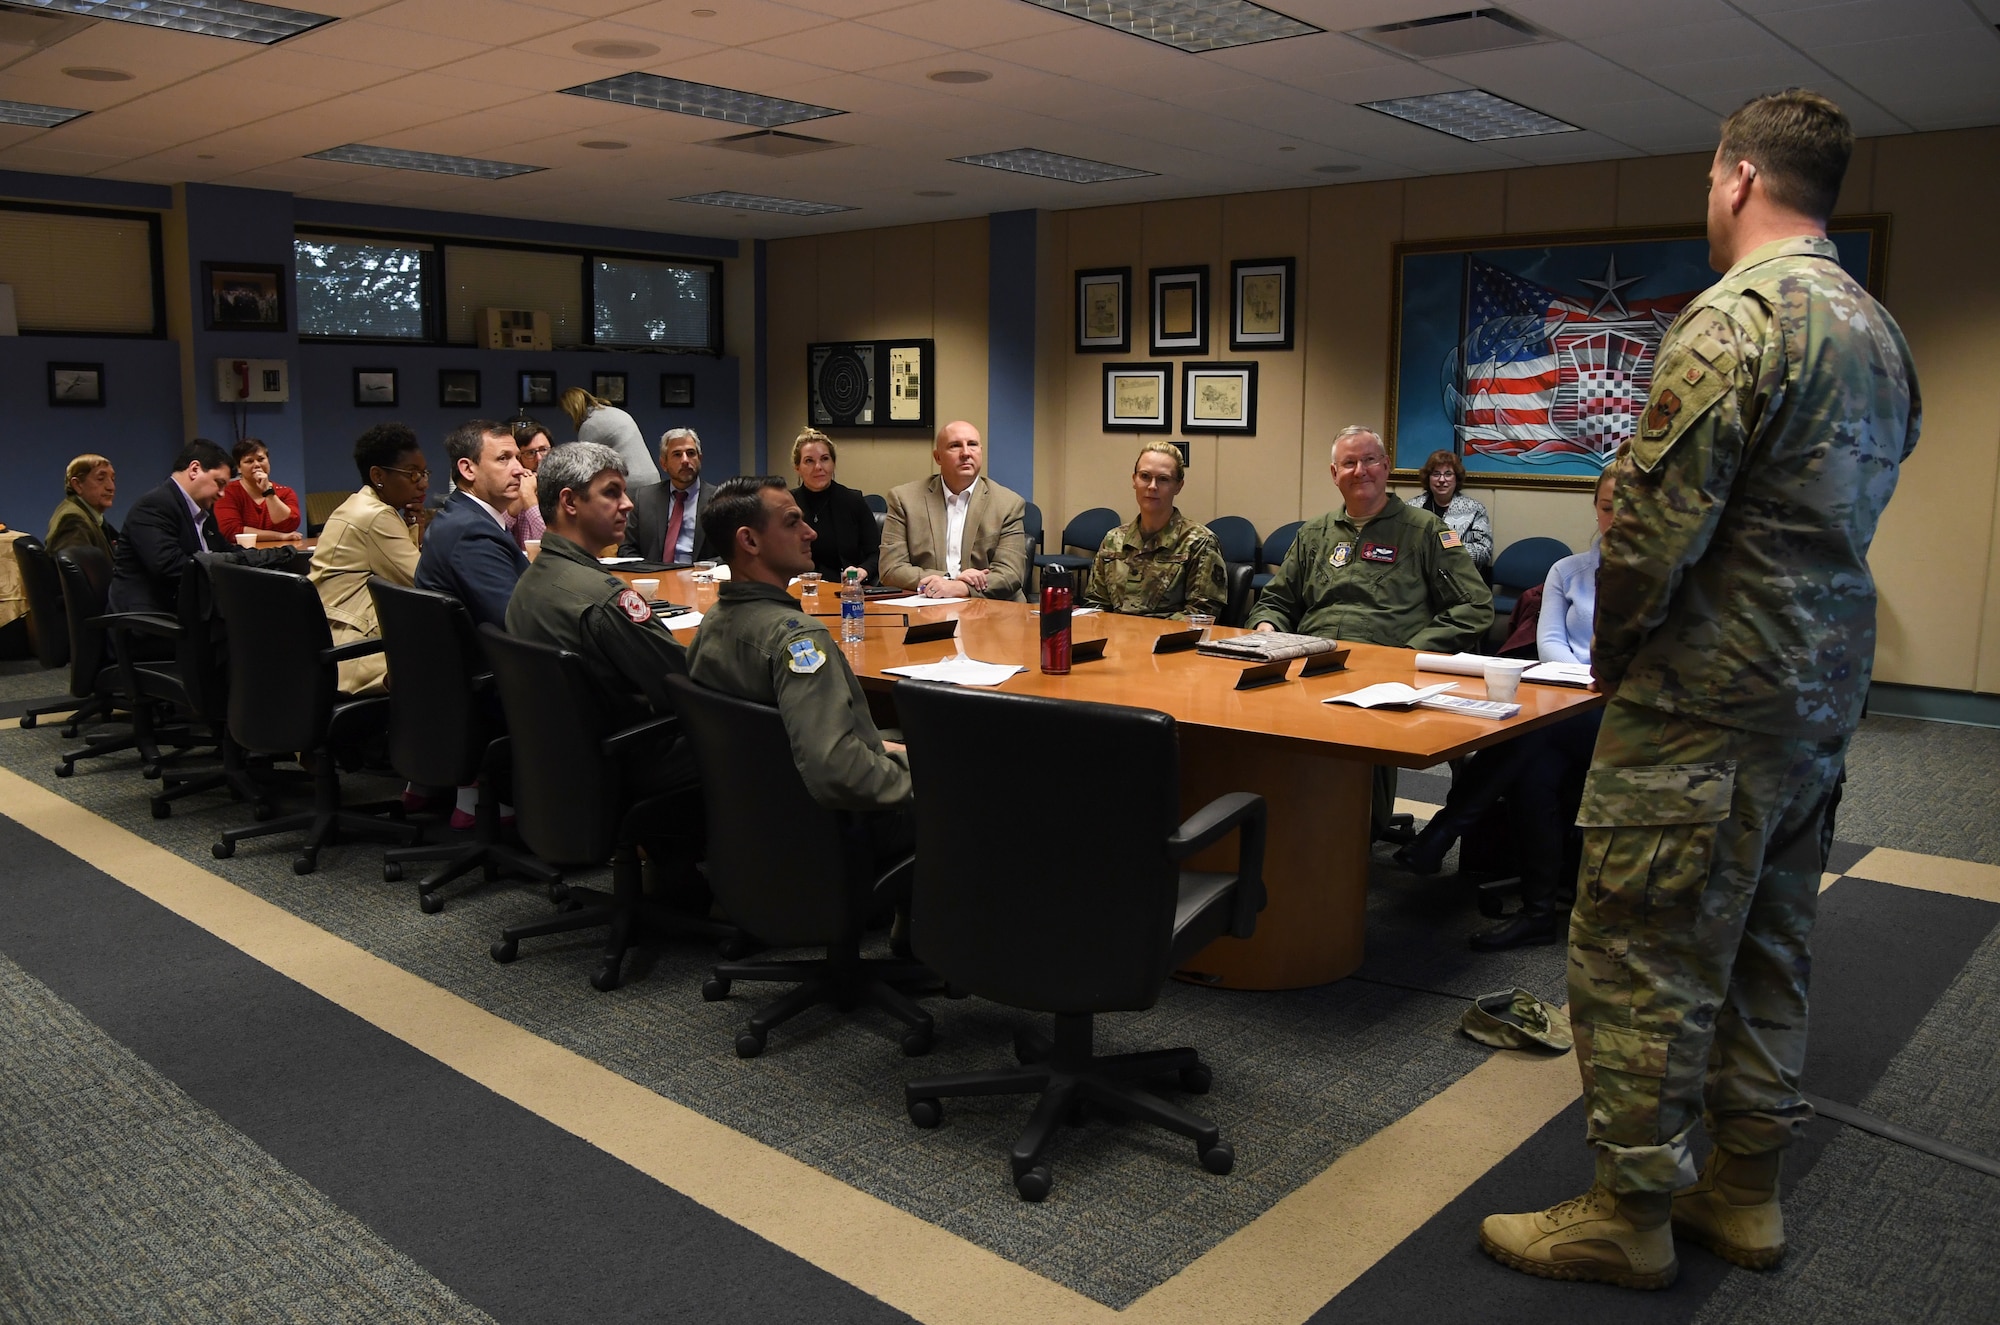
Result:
[1055,621]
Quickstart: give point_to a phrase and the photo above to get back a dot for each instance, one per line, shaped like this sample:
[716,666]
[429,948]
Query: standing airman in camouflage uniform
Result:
[1736,632]
[1162,564]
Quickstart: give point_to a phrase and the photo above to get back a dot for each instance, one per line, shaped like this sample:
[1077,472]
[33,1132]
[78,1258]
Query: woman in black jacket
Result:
[848,535]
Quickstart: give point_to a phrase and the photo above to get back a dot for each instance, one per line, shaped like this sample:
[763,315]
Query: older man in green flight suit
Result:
[1736,632]
[1380,572]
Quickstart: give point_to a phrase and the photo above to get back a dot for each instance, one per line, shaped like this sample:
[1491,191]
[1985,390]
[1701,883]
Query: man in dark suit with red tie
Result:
[166,527]
[666,520]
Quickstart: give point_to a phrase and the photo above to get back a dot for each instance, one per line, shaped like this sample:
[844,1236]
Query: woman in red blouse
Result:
[251,504]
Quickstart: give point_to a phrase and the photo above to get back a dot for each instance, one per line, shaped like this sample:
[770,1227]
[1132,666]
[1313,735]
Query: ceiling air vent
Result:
[1452,34]
[771,142]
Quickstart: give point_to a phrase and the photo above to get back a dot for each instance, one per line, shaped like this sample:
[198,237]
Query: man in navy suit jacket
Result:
[468,551]
[166,527]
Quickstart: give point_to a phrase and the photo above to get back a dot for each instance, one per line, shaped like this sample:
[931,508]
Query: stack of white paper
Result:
[685,621]
[1389,694]
[958,672]
[1559,673]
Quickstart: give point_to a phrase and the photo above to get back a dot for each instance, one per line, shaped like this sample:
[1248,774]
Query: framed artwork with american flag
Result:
[1531,356]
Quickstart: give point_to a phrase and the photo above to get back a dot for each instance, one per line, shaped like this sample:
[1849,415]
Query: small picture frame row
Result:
[458,388]
[1215,398]
[1260,317]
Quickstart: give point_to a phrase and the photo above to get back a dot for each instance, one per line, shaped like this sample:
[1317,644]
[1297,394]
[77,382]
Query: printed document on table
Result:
[915,600]
[685,621]
[1392,694]
[958,671]
[1560,674]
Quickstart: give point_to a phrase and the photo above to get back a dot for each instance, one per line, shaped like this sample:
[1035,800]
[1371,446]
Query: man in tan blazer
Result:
[955,534]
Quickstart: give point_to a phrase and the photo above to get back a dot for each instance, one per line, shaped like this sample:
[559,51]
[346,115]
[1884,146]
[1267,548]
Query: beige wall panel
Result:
[1345,333]
[1934,554]
[791,314]
[960,279]
[904,280]
[1257,477]
[1662,190]
[1576,197]
[1104,237]
[846,286]
[1857,191]
[1455,206]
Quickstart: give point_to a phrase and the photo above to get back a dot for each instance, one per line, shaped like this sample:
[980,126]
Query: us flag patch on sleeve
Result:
[1446,538]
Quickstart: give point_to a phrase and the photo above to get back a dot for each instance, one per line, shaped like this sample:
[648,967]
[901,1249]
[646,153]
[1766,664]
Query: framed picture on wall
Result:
[677,390]
[1260,304]
[374,386]
[1103,308]
[458,387]
[1180,310]
[1219,397]
[76,384]
[608,387]
[537,388]
[244,296]
[1139,397]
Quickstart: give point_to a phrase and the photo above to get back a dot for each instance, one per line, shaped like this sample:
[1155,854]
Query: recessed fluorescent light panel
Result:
[1187,25]
[757,202]
[1475,116]
[36,117]
[711,103]
[395,158]
[1053,165]
[237,20]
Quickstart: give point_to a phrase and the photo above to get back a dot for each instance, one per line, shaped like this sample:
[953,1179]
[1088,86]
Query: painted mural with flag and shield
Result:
[1531,356]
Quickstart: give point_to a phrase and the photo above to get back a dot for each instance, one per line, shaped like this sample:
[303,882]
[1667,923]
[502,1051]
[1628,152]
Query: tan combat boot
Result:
[1624,1240]
[1733,1209]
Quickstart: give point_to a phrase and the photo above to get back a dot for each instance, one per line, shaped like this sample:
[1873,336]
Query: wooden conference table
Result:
[1311,761]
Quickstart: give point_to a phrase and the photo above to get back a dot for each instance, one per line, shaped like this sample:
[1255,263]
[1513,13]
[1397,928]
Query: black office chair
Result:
[1083,913]
[1037,532]
[284,702]
[94,675]
[1275,547]
[572,806]
[876,502]
[444,731]
[1237,540]
[48,630]
[1086,531]
[814,885]
[1521,566]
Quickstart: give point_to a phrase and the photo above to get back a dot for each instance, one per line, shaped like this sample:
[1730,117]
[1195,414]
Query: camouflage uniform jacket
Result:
[1401,579]
[1735,583]
[758,644]
[1169,574]
[566,599]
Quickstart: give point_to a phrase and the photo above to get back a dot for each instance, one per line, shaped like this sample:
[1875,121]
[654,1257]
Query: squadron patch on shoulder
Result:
[636,609]
[1448,539]
[806,657]
[1660,414]
[1342,554]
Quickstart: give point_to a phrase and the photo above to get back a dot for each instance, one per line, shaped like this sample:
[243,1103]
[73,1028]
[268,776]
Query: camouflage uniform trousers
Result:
[1688,947]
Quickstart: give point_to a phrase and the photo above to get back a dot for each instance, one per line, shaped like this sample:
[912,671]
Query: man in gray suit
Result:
[955,534]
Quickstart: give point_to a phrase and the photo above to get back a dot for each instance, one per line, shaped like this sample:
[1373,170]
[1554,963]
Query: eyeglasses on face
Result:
[416,475]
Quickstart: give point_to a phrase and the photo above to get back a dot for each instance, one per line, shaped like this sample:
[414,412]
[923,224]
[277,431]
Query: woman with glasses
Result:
[1443,477]
[371,533]
[1162,564]
[848,535]
[532,441]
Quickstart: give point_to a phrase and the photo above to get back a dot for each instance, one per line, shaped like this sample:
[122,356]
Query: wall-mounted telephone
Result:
[253,380]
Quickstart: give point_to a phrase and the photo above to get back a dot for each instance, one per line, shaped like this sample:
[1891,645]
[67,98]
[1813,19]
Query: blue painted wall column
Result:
[1010,350]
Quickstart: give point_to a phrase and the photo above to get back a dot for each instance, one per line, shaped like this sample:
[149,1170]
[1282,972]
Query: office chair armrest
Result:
[360,648]
[652,727]
[482,682]
[895,881]
[1238,811]
[145,623]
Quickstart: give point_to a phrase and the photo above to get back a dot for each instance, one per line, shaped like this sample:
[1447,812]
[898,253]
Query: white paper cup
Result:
[1503,677]
[648,589]
[1201,622]
[534,545]
[246,540]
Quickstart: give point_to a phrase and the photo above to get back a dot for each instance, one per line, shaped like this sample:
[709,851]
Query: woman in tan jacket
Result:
[369,534]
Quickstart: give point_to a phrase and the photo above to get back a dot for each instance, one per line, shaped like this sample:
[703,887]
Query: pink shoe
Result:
[460,819]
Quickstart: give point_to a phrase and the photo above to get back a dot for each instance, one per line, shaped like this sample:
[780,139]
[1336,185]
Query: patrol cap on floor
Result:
[1516,1019]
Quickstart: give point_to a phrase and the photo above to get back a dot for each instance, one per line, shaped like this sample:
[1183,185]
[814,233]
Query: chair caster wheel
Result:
[925,1113]
[162,809]
[1035,1183]
[304,864]
[734,950]
[714,989]
[392,872]
[605,980]
[151,772]
[504,950]
[263,811]
[27,722]
[1197,1079]
[222,850]
[430,903]
[1219,1158]
[64,770]
[749,1043]
[558,892]
[917,1042]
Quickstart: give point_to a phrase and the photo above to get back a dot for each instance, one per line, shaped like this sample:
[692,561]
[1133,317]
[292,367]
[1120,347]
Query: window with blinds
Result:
[476,278]
[79,272]
[362,288]
[659,305]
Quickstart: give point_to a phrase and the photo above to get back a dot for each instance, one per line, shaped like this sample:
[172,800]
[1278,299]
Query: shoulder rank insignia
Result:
[806,657]
[1342,554]
[636,609]
[1448,539]
[1660,414]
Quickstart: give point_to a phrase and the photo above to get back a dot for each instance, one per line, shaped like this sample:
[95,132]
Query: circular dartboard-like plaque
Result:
[843,384]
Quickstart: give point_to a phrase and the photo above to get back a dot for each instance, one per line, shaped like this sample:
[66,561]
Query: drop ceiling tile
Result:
[375,43]
[1664,123]
[40,81]
[1917,66]
[968,25]
[1084,48]
[54,160]
[142,128]
[154,53]
[1551,148]
[859,93]
[1304,61]
[849,47]
[1386,81]
[746,71]
[849,8]
[302,68]
[359,118]
[1579,19]
[527,71]
[581,68]
[1964,109]
[736,22]
[1872,20]
[498,22]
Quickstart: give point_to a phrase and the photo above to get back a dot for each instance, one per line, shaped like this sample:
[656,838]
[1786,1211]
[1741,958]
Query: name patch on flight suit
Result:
[806,657]
[1342,554]
[1383,554]
[636,609]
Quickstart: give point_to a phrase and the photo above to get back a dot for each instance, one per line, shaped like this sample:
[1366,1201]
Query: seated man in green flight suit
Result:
[1379,572]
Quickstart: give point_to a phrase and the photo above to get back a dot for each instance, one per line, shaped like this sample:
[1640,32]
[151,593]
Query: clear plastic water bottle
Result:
[851,605]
